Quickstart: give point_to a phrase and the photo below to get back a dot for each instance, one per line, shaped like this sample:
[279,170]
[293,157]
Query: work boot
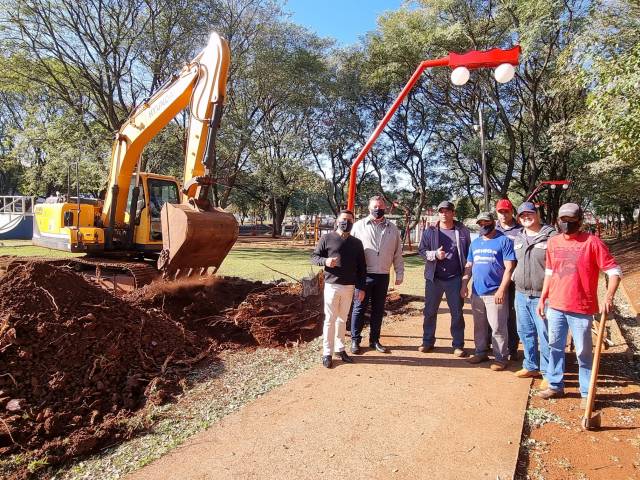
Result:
[355,347]
[551,393]
[344,357]
[326,361]
[477,359]
[425,348]
[544,384]
[583,402]
[379,347]
[498,366]
[460,353]
[524,373]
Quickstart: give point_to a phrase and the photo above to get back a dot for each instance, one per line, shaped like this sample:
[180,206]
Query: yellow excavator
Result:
[150,216]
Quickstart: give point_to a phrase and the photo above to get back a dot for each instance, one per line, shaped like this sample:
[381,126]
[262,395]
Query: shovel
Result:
[590,422]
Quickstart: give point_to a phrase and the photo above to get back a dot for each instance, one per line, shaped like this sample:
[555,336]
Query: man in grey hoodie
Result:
[531,247]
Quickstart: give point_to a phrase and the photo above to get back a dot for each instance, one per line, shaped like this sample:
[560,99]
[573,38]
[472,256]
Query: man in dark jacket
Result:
[344,271]
[444,248]
[531,248]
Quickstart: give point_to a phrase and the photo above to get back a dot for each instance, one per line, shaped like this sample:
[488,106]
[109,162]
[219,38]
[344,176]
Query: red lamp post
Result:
[471,60]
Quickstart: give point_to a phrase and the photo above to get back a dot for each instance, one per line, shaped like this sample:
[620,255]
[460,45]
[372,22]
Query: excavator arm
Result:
[196,235]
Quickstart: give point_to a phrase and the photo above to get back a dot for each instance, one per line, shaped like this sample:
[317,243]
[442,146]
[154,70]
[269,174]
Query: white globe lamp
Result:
[460,76]
[504,73]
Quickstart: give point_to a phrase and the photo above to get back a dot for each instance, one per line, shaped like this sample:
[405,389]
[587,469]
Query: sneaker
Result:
[478,359]
[498,366]
[425,348]
[344,357]
[524,373]
[326,361]
[460,353]
[544,384]
[551,393]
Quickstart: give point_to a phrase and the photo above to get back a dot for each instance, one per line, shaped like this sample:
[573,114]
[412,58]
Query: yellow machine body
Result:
[191,235]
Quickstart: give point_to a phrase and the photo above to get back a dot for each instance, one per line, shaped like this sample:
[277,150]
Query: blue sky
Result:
[344,20]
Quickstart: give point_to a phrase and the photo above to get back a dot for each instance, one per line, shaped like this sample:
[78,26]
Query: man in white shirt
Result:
[382,248]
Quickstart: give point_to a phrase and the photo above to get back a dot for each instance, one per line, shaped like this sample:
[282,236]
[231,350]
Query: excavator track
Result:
[142,273]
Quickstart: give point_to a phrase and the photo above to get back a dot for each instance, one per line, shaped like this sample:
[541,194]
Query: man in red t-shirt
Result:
[574,261]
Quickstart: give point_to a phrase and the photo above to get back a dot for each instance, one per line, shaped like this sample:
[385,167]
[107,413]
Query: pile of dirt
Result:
[204,306]
[280,316]
[75,360]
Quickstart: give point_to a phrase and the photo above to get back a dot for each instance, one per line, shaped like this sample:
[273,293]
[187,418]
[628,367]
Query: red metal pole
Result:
[440,62]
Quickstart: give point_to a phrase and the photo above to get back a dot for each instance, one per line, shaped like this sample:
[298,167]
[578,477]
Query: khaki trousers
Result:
[486,312]
[337,302]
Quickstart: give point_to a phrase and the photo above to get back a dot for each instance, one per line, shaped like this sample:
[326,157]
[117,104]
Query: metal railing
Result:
[17,205]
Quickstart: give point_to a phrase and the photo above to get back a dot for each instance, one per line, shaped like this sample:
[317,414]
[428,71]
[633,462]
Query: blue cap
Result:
[527,207]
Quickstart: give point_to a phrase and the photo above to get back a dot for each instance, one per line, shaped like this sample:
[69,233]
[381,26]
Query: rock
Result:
[15,405]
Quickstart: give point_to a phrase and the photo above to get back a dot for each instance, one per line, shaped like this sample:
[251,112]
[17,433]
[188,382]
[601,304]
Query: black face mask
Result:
[569,227]
[345,225]
[377,212]
[487,229]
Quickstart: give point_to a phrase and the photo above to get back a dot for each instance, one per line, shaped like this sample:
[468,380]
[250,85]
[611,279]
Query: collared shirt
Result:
[382,245]
[512,231]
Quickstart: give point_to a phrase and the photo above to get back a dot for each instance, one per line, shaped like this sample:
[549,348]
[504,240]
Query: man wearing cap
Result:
[444,248]
[573,263]
[491,260]
[531,249]
[382,248]
[510,228]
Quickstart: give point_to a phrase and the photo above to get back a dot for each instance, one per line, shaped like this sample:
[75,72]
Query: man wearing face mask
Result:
[531,250]
[382,248]
[342,256]
[573,263]
[491,260]
[508,225]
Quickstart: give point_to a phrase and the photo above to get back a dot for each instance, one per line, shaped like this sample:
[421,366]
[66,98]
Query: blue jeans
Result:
[376,287]
[559,324]
[433,291]
[533,333]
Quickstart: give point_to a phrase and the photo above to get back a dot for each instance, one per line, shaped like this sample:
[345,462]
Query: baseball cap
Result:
[504,204]
[446,204]
[570,210]
[488,216]
[526,207]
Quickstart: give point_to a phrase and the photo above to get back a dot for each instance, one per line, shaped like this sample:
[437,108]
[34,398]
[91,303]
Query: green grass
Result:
[255,263]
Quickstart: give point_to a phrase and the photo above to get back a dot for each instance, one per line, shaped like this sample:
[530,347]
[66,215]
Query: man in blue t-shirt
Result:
[491,260]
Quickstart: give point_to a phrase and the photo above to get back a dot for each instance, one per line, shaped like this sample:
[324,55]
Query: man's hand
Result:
[540,308]
[464,291]
[360,295]
[331,262]
[440,254]
[607,305]
[499,296]
[398,281]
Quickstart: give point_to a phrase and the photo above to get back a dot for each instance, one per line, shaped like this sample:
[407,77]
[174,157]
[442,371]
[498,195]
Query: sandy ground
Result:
[402,415]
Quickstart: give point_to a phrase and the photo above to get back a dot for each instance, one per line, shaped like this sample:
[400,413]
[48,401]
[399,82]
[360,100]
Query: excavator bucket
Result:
[194,240]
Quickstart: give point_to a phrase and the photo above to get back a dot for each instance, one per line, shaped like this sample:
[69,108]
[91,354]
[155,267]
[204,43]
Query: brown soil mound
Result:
[280,316]
[74,360]
[204,306]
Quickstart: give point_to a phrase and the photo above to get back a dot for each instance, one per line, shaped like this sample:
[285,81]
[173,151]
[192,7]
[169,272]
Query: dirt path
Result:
[404,415]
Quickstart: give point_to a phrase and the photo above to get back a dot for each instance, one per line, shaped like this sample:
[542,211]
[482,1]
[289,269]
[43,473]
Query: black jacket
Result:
[352,269]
